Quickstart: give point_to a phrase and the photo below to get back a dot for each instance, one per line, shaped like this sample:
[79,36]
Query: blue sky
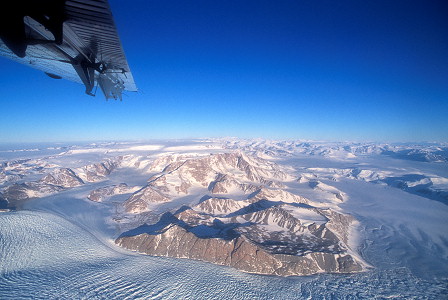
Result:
[321,70]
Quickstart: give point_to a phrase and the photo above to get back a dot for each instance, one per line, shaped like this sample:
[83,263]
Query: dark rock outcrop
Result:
[63,177]
[139,201]
[100,194]
[240,252]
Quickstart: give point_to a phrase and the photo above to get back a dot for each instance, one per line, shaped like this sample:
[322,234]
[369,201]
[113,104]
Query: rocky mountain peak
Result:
[62,177]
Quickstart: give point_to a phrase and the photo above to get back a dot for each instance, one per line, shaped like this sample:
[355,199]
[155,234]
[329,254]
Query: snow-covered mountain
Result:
[56,180]
[221,173]
[347,150]
[102,193]
[283,228]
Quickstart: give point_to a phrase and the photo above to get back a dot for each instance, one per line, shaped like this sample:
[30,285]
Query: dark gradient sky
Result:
[334,70]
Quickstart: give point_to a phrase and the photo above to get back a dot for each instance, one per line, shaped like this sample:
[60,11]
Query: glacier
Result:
[61,244]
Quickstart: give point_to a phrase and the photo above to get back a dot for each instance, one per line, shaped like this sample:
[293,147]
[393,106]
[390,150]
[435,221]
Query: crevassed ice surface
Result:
[61,246]
[45,256]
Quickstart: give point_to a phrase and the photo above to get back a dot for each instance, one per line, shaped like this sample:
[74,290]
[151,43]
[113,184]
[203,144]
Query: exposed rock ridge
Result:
[63,177]
[261,234]
[180,240]
[99,171]
[102,193]
[140,200]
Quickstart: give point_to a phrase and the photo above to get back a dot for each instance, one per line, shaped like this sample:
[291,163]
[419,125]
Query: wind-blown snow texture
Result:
[61,244]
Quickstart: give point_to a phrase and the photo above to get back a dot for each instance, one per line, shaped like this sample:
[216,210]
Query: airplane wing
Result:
[72,39]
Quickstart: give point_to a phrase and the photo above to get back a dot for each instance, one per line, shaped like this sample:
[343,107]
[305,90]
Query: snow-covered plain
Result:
[62,245]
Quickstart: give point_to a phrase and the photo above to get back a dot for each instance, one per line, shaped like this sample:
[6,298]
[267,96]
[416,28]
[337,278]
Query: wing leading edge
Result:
[72,39]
